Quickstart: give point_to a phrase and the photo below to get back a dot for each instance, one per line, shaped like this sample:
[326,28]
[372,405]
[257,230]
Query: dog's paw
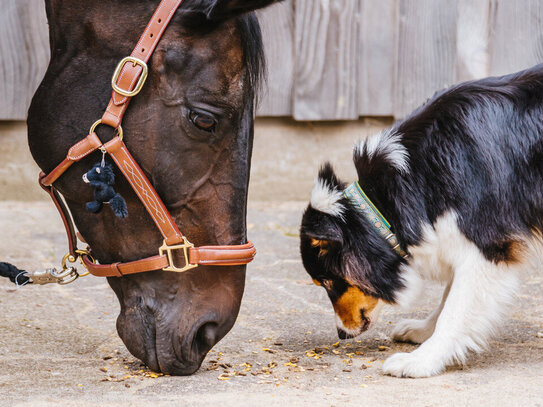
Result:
[412,330]
[412,365]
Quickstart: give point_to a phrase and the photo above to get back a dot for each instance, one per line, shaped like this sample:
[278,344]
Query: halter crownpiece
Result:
[360,201]
[127,81]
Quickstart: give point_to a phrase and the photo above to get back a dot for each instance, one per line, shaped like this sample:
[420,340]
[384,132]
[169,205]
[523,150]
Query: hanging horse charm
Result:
[102,178]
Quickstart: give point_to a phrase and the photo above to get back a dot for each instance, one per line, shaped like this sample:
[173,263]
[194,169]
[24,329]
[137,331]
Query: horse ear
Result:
[224,9]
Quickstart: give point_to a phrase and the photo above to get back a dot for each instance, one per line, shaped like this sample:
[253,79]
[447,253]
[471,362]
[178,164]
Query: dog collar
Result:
[361,201]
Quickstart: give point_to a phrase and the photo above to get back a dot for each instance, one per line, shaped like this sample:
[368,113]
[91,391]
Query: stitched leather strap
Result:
[63,211]
[130,73]
[123,269]
[222,255]
[80,150]
[145,191]
[205,255]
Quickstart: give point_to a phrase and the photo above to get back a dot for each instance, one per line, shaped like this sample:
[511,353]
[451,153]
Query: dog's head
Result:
[343,253]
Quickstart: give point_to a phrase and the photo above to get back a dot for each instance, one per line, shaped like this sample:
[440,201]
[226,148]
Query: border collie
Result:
[454,194]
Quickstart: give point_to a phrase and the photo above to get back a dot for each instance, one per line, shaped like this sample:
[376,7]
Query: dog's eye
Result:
[203,121]
[327,284]
[319,243]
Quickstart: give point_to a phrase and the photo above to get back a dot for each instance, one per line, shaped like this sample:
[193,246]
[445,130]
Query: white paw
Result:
[412,330]
[412,365]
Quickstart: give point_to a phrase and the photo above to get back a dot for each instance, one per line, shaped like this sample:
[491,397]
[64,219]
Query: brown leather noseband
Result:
[127,81]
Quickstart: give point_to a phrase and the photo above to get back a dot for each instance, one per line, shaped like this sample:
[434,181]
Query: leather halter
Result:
[127,81]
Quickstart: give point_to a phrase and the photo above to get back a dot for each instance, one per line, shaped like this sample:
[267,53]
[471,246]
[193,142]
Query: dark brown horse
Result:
[191,131]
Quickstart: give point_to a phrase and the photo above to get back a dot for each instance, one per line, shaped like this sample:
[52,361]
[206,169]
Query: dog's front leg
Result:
[419,330]
[479,293]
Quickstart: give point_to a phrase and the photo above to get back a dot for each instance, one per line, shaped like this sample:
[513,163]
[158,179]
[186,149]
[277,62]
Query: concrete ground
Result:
[59,347]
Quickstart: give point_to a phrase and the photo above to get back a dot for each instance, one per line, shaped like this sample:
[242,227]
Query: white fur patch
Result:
[326,199]
[480,296]
[388,145]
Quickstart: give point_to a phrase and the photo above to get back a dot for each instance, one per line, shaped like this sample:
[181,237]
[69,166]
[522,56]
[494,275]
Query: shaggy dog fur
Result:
[461,182]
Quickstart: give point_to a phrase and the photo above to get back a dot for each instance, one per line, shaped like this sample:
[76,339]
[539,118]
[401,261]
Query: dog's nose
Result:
[341,333]
[344,335]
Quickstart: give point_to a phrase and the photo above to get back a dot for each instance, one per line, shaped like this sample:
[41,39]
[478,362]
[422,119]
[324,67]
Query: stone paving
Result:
[59,347]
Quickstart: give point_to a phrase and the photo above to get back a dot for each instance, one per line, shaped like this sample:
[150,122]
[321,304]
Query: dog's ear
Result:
[325,234]
[329,177]
[327,195]
[380,155]
[321,230]
[225,9]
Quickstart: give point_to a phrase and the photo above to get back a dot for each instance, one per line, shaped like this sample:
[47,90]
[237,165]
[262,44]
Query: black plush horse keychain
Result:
[101,178]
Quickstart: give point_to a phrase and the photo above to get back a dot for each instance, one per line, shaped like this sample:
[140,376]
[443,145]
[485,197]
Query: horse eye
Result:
[203,121]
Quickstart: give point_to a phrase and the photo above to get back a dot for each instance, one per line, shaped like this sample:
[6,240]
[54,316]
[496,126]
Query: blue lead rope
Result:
[361,201]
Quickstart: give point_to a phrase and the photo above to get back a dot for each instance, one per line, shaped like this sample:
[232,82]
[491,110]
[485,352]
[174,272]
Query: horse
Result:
[191,131]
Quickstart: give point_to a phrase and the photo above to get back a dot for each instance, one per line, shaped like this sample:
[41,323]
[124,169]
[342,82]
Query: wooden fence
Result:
[334,59]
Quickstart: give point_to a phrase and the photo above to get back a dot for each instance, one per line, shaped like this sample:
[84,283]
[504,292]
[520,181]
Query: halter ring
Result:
[118,130]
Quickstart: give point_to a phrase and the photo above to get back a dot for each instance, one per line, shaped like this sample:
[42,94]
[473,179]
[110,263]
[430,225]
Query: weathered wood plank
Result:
[277,24]
[376,54]
[25,54]
[333,59]
[326,33]
[425,51]
[516,35]
[472,39]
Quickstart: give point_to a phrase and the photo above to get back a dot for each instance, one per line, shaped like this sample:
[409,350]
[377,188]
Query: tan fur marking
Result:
[316,283]
[516,252]
[348,307]
[315,242]
[323,244]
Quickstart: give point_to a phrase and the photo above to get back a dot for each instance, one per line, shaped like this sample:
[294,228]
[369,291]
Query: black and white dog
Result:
[461,182]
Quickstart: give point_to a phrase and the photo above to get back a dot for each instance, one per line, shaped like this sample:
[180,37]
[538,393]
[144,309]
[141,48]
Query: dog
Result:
[454,194]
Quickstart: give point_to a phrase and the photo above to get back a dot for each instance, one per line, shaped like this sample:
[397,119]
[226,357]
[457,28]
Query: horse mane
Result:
[253,50]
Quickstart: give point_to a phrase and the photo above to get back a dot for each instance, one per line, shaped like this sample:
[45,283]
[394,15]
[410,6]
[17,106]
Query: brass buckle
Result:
[141,81]
[185,246]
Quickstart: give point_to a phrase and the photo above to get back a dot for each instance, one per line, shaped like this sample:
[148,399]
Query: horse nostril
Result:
[207,335]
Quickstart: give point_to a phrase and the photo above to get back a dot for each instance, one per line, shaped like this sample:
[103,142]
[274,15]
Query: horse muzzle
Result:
[167,323]
[166,348]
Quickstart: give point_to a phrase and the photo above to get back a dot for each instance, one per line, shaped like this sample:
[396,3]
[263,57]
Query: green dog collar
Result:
[361,201]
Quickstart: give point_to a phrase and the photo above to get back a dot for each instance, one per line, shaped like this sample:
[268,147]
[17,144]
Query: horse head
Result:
[190,129]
